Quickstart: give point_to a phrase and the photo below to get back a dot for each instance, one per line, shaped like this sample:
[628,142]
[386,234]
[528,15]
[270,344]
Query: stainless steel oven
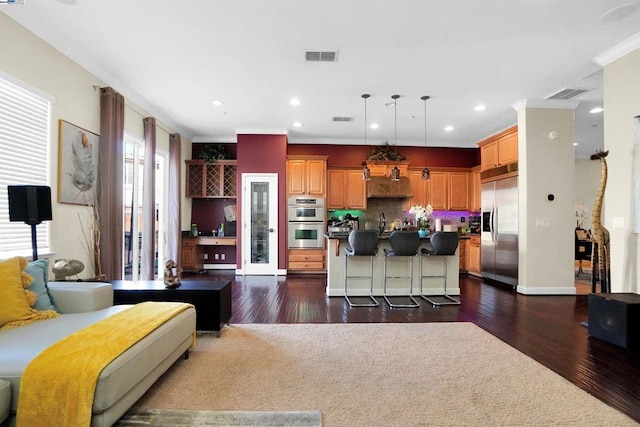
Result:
[306,235]
[306,222]
[306,209]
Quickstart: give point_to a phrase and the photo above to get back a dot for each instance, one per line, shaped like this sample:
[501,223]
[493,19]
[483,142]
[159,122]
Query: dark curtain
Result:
[148,253]
[173,230]
[110,173]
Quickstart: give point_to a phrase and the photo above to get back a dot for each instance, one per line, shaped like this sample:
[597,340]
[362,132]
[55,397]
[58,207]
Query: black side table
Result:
[211,298]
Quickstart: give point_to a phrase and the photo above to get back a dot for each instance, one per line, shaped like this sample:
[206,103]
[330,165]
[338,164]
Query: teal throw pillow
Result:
[39,270]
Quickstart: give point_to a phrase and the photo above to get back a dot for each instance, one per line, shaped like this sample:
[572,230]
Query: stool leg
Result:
[448,300]
[374,302]
[413,303]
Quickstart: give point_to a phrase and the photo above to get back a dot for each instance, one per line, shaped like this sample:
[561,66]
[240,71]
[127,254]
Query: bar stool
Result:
[363,243]
[443,244]
[403,244]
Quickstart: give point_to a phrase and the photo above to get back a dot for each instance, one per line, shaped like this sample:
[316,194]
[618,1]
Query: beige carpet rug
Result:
[441,374]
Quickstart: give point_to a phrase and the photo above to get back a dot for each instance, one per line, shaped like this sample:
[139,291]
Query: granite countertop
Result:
[385,236]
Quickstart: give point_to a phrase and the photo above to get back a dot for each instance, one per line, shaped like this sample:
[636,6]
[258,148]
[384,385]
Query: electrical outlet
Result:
[215,256]
[222,256]
[542,222]
[206,256]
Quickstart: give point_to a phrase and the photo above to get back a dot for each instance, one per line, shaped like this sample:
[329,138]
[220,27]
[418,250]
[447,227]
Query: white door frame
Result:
[270,268]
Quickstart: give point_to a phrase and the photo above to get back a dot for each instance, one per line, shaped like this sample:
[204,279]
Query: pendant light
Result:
[426,173]
[366,173]
[395,173]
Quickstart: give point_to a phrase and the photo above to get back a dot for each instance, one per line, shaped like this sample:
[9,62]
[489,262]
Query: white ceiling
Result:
[174,57]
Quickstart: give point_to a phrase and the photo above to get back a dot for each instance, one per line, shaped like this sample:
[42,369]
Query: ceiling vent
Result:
[320,56]
[342,119]
[568,93]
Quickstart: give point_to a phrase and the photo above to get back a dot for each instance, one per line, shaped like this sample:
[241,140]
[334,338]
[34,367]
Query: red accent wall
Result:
[353,155]
[265,154]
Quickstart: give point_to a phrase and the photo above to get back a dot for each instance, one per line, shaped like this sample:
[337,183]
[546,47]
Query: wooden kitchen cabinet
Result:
[384,168]
[500,149]
[473,255]
[212,180]
[191,257]
[306,175]
[449,190]
[346,189]
[308,260]
[421,190]
[475,190]
[463,250]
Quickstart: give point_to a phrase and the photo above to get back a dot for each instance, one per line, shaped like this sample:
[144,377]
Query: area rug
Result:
[389,374]
[177,418]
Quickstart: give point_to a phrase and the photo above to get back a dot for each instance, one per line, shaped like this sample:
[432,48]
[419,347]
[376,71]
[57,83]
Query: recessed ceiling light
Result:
[374,126]
[448,128]
[619,12]
[480,107]
[596,110]
[217,102]
[575,143]
[297,124]
[412,117]
[294,101]
[389,104]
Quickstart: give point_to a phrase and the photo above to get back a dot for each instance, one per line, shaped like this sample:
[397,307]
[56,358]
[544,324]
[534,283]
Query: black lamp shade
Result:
[29,203]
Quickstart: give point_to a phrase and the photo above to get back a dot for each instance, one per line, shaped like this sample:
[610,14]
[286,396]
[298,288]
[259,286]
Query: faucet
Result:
[382,222]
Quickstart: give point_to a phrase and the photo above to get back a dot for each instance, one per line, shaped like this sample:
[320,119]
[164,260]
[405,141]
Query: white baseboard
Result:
[219,266]
[565,290]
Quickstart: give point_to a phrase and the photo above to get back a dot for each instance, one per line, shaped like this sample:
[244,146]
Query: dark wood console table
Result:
[211,298]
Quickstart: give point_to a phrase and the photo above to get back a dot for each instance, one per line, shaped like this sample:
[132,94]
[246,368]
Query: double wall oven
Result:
[306,217]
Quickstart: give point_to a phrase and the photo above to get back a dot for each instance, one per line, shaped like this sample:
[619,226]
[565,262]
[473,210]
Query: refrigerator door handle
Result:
[495,222]
[491,223]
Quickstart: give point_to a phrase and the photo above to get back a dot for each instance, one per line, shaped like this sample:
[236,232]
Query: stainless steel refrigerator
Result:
[499,237]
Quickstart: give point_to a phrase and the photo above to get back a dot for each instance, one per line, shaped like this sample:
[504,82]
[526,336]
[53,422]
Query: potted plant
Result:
[421,214]
[212,152]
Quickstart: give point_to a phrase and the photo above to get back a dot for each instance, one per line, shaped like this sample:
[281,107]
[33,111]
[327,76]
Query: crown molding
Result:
[260,131]
[618,51]
[559,104]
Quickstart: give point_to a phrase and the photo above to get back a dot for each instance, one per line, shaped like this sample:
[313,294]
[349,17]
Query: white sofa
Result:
[124,380]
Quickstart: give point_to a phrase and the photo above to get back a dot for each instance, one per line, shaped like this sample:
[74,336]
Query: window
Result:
[24,159]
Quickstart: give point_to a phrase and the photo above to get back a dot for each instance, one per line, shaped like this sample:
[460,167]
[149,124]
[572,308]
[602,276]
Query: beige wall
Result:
[621,104]
[28,59]
[546,166]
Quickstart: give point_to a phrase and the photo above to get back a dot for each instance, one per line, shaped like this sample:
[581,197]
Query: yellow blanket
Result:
[58,386]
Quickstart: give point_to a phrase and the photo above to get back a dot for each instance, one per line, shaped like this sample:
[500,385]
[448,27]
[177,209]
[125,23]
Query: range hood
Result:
[381,187]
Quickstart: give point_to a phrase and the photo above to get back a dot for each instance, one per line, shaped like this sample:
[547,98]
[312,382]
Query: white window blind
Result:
[24,160]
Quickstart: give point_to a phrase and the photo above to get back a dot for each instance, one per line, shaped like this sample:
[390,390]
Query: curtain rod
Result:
[143,116]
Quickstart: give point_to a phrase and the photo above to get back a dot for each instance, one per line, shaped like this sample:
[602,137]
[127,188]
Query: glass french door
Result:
[259,224]
[133,191]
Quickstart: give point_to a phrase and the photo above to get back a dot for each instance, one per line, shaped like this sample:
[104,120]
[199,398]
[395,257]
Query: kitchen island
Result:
[396,266]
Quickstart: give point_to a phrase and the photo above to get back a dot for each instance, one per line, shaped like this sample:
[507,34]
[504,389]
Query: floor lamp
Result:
[31,204]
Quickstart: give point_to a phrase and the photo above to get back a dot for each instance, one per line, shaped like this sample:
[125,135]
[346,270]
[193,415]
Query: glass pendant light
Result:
[395,173]
[426,173]
[366,173]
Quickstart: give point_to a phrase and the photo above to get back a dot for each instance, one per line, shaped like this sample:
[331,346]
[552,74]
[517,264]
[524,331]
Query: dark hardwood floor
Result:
[546,328]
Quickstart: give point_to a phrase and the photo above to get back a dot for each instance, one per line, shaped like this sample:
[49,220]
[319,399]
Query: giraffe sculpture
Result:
[600,262]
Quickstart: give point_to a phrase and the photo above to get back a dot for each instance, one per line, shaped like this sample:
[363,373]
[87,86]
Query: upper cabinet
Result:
[346,189]
[500,149]
[445,190]
[475,190]
[211,180]
[307,175]
[384,167]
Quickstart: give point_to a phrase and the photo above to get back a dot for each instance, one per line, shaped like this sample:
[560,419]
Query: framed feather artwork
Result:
[77,165]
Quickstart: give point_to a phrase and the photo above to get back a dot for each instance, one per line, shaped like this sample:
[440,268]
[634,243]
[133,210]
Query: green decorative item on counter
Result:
[212,152]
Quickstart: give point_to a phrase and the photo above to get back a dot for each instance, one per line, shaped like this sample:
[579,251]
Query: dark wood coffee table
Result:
[211,298]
